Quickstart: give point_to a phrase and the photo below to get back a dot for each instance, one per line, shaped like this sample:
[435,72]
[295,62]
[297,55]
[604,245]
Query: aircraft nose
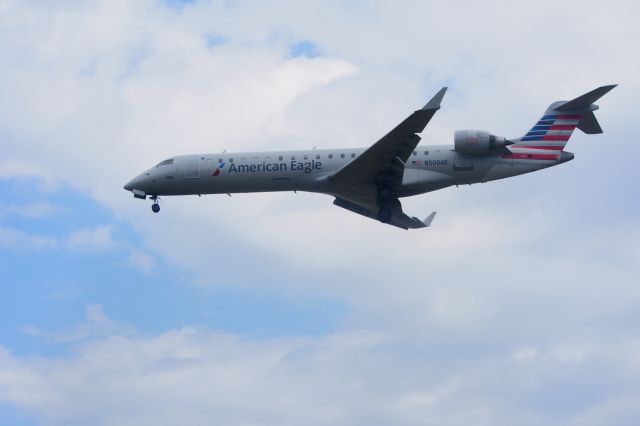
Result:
[130,186]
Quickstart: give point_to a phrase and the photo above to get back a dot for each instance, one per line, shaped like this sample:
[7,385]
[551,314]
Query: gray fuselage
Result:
[429,168]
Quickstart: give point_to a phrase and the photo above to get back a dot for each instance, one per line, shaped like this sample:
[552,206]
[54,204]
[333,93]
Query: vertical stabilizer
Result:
[553,130]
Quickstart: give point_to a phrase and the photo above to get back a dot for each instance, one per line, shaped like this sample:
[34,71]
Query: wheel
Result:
[155,208]
[384,215]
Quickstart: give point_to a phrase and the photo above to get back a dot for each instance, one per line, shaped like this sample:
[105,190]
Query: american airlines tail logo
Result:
[220,167]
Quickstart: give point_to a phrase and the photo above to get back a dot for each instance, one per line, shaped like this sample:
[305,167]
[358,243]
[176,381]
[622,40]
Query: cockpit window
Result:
[165,162]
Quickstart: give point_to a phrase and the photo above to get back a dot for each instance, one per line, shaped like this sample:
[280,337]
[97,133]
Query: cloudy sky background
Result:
[520,306]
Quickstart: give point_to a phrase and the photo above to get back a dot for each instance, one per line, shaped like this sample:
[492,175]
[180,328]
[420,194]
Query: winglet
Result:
[587,99]
[434,103]
[429,219]
[417,223]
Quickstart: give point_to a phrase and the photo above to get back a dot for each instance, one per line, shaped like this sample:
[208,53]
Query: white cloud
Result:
[18,169]
[142,261]
[569,354]
[485,306]
[15,239]
[93,239]
[526,354]
[15,169]
[90,240]
[38,209]
[618,410]
[96,326]
[346,378]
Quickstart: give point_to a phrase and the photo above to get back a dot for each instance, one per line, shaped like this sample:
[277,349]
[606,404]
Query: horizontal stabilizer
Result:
[585,101]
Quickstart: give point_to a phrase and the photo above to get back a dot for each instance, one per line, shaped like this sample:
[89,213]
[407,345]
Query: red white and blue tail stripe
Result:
[550,133]
[547,139]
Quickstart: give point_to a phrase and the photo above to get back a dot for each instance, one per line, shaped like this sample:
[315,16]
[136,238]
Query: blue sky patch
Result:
[304,48]
[178,4]
[12,416]
[136,56]
[214,40]
[46,290]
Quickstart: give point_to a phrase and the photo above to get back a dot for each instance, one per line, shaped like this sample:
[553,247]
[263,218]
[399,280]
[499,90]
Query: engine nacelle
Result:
[478,142]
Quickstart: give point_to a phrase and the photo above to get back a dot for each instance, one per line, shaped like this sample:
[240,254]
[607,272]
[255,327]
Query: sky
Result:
[520,305]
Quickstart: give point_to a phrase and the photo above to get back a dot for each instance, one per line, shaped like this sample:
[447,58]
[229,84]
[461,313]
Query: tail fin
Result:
[553,130]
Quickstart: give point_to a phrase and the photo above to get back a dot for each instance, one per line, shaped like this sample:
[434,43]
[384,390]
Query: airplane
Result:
[370,181]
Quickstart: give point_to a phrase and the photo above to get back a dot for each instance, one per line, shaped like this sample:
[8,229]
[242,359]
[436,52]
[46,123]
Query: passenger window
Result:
[306,157]
[219,160]
[426,153]
[353,155]
[280,158]
[293,158]
[341,155]
[415,152]
[317,157]
[231,160]
[330,156]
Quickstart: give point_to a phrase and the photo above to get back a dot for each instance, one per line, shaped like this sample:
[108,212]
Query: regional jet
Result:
[370,181]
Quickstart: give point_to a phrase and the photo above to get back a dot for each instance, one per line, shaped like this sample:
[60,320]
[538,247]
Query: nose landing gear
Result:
[155,207]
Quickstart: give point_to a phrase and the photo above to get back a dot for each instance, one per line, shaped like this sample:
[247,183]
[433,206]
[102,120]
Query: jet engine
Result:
[478,142]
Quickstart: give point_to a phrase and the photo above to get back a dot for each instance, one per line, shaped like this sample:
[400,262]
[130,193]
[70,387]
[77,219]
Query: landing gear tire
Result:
[384,215]
[155,207]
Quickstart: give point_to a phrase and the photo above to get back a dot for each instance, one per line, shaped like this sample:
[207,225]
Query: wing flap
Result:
[370,210]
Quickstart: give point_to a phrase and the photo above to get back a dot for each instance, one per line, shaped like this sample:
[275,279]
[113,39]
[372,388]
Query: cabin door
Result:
[192,168]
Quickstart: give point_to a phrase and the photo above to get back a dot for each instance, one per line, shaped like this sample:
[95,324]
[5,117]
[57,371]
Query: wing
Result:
[369,184]
[388,155]
[396,217]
